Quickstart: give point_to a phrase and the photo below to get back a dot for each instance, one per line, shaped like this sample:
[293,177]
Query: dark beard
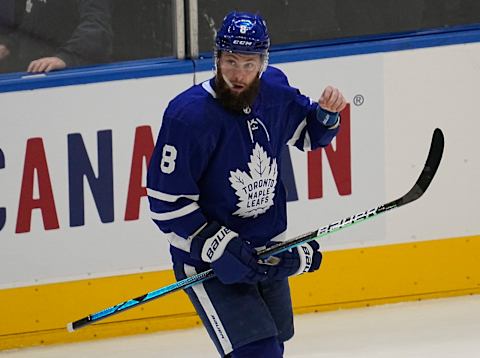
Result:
[233,101]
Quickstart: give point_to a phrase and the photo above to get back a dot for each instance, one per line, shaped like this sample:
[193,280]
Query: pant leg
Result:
[234,315]
[276,295]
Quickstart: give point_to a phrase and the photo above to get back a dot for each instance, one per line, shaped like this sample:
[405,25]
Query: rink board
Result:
[349,278]
[60,262]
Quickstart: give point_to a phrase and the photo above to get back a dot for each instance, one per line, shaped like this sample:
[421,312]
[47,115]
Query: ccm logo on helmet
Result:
[242,42]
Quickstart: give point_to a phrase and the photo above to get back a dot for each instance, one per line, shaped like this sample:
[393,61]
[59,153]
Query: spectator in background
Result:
[54,34]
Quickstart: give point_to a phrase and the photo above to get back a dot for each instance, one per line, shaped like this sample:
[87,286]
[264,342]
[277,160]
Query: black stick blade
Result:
[429,170]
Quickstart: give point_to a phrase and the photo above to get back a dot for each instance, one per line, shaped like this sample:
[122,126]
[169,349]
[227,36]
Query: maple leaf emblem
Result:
[255,190]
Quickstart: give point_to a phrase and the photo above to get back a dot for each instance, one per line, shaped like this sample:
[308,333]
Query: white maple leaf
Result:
[255,190]
[239,179]
[259,162]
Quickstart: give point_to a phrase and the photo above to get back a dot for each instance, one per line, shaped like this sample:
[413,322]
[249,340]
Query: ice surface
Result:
[435,328]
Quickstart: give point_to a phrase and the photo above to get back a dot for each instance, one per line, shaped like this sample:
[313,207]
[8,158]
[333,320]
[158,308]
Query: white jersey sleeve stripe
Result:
[169,197]
[307,144]
[175,214]
[179,242]
[298,132]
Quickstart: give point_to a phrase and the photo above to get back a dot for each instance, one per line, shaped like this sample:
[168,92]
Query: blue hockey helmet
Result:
[243,32]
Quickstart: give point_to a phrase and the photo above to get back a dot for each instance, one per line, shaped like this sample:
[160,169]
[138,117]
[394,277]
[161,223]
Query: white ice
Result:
[434,328]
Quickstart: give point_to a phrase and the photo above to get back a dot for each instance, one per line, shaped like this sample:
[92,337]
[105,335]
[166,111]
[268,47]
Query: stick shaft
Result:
[421,185]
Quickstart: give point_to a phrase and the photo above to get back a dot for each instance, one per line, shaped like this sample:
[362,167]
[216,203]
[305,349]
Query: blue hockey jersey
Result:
[212,164]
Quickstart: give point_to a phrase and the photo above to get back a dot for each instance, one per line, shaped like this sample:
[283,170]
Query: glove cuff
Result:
[329,119]
[210,242]
[305,254]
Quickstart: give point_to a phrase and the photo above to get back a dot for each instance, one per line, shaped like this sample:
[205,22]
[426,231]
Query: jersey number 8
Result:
[169,154]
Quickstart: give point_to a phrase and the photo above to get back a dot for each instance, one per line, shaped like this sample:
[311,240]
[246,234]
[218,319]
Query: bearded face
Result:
[237,80]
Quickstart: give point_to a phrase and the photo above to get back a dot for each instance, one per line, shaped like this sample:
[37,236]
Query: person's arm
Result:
[330,104]
[91,41]
[309,124]
[178,161]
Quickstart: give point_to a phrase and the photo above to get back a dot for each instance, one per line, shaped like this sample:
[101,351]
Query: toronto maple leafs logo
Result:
[255,190]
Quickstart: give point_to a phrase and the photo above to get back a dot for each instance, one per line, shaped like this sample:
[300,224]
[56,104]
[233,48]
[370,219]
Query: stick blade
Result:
[429,170]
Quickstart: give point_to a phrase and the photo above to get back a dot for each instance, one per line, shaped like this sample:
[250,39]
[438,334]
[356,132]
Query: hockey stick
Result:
[421,185]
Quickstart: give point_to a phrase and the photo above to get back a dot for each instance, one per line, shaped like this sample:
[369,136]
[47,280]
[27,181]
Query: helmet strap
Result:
[264,65]
[227,81]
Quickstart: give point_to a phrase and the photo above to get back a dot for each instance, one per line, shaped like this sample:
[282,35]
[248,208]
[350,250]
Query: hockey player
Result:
[214,187]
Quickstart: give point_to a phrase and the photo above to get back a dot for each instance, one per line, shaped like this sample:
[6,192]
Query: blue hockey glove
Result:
[232,260]
[301,259]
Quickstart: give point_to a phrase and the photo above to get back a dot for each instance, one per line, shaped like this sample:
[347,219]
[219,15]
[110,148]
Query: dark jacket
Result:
[77,31]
